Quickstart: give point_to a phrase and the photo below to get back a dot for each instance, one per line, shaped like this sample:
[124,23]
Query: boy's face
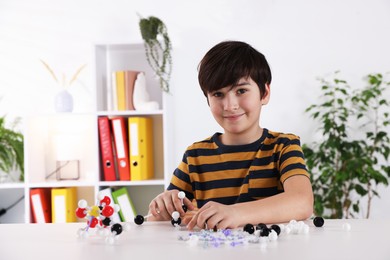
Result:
[237,108]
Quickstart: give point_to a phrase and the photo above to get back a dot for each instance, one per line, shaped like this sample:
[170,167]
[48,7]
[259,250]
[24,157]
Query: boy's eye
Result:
[241,91]
[217,94]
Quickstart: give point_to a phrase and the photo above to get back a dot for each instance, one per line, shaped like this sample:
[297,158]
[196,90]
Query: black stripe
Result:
[266,160]
[290,154]
[224,200]
[182,175]
[229,165]
[189,195]
[224,183]
[244,197]
[293,167]
[264,174]
[263,192]
[280,141]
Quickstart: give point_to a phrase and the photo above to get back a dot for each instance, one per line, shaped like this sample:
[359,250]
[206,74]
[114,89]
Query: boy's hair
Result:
[229,61]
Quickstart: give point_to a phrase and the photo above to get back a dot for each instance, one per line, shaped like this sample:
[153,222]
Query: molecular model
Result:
[259,234]
[176,220]
[99,216]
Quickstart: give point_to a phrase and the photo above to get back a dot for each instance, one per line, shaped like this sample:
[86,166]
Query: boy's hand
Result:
[214,214]
[162,206]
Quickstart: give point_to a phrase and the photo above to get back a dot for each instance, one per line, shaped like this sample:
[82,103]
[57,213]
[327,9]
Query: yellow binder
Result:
[64,204]
[120,90]
[141,148]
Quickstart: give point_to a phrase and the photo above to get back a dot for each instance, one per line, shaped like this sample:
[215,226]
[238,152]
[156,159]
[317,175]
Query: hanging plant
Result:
[157,48]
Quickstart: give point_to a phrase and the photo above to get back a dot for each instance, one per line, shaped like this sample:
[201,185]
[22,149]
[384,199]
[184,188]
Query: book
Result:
[127,211]
[120,90]
[112,98]
[108,192]
[107,155]
[119,130]
[141,148]
[64,204]
[40,205]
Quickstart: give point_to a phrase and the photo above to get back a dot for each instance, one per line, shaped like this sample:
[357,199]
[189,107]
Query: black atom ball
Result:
[117,228]
[249,228]
[139,220]
[184,207]
[176,222]
[106,221]
[276,228]
[318,221]
[261,226]
[264,232]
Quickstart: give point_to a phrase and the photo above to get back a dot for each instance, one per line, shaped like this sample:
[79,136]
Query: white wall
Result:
[302,39]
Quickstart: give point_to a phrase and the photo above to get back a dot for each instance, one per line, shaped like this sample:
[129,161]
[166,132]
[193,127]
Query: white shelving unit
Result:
[41,130]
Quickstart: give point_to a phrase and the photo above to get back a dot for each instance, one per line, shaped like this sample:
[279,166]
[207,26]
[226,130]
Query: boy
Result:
[247,174]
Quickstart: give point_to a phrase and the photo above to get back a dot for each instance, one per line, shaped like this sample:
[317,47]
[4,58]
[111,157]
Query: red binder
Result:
[40,205]
[119,131]
[106,149]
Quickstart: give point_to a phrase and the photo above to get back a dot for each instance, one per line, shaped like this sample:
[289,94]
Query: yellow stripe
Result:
[202,145]
[219,175]
[263,183]
[221,192]
[183,167]
[211,159]
[269,166]
[292,160]
[181,184]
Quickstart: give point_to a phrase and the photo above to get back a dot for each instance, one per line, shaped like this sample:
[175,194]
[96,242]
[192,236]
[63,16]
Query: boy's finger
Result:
[192,222]
[189,204]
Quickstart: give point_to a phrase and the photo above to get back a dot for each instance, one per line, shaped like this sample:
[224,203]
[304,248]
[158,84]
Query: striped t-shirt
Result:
[229,174]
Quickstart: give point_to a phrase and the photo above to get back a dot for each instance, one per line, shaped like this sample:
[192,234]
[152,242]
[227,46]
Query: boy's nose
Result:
[230,103]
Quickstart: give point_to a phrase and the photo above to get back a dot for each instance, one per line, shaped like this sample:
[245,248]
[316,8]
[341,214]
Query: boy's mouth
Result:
[232,116]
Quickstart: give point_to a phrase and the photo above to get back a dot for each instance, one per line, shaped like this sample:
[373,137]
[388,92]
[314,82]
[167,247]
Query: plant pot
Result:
[63,101]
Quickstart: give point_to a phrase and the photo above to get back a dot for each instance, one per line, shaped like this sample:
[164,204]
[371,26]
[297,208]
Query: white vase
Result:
[63,101]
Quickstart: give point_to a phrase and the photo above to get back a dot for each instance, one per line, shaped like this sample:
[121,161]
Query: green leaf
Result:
[360,190]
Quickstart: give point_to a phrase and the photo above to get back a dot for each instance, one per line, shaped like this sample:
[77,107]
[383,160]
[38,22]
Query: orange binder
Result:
[63,204]
[141,148]
[106,149]
[130,77]
[121,147]
[40,205]
[120,90]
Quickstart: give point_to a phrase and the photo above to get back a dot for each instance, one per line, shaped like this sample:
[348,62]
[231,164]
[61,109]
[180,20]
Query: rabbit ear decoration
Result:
[141,97]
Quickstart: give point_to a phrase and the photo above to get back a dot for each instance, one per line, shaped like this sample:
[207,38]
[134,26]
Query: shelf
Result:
[130,113]
[19,185]
[48,137]
[58,184]
[132,183]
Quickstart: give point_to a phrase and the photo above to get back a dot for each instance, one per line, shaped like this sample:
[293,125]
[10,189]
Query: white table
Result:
[367,239]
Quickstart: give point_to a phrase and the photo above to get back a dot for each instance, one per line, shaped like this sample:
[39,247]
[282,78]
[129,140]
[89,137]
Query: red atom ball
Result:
[81,212]
[106,200]
[93,222]
[107,211]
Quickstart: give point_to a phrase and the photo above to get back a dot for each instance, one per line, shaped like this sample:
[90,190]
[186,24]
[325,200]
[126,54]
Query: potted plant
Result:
[157,48]
[11,151]
[351,159]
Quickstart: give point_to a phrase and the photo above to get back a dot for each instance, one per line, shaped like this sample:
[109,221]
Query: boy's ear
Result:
[267,94]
